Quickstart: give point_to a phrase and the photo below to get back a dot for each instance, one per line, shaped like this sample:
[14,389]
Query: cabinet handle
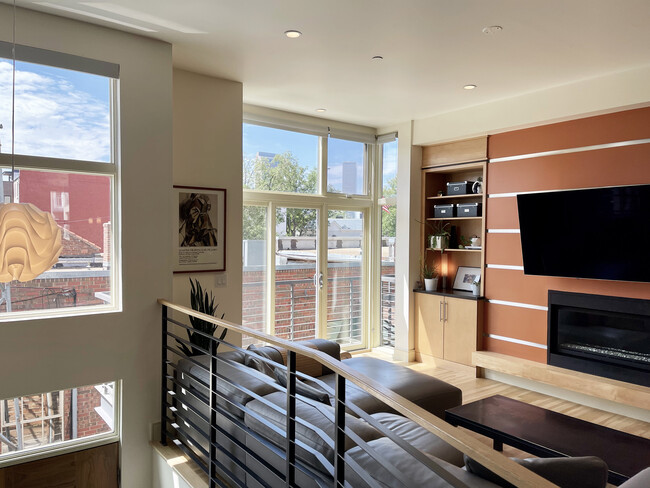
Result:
[440,311]
[446,304]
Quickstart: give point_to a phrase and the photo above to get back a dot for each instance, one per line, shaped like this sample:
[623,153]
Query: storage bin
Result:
[460,188]
[444,211]
[468,209]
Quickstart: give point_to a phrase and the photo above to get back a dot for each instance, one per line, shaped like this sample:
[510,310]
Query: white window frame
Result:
[324,201]
[111,169]
[71,445]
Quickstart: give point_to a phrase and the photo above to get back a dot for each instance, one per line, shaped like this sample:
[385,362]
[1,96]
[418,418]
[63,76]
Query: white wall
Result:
[50,354]
[208,153]
[611,93]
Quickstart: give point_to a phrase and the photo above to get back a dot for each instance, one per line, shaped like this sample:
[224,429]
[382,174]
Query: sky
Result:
[59,113]
[304,147]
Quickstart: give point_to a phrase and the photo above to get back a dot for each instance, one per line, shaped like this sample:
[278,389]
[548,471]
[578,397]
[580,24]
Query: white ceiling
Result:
[431,48]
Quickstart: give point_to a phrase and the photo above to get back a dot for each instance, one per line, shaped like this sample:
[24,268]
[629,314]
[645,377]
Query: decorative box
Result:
[461,188]
[468,209]
[444,211]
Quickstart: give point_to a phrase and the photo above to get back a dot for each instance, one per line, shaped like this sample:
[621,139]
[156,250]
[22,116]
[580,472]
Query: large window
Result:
[66,163]
[55,418]
[307,206]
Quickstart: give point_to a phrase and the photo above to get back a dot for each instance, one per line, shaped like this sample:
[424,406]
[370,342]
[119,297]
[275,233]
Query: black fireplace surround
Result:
[600,335]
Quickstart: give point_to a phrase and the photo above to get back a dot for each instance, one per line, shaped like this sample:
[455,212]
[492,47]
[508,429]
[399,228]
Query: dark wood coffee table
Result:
[544,433]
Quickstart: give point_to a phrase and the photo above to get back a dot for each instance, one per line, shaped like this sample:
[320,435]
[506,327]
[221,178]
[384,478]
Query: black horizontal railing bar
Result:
[190,439]
[186,421]
[188,452]
[181,438]
[186,406]
[188,343]
[193,330]
[493,461]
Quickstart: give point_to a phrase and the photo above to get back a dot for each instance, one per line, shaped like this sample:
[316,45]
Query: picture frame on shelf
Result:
[199,237]
[465,276]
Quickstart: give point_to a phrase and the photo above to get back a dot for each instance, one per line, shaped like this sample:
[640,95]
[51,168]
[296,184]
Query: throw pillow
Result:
[302,388]
[262,366]
[565,472]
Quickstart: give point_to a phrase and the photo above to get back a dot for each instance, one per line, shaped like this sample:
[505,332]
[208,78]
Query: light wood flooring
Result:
[476,388]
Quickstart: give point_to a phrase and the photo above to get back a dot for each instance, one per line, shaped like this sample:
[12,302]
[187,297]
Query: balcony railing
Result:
[295,309]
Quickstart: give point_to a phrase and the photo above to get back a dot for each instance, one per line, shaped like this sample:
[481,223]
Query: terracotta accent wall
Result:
[518,327]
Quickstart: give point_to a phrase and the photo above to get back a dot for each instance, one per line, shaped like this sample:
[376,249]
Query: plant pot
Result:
[476,289]
[430,284]
[438,242]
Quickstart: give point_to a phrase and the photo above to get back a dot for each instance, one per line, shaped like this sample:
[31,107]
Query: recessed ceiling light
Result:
[493,29]
[469,87]
[321,110]
[292,34]
[377,58]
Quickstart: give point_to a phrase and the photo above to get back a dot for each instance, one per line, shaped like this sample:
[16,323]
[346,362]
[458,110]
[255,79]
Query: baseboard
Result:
[442,363]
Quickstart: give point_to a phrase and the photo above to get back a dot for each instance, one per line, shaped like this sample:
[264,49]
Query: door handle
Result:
[446,305]
[318,281]
[440,312]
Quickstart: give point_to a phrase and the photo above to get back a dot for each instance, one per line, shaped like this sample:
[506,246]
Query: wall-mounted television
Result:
[599,233]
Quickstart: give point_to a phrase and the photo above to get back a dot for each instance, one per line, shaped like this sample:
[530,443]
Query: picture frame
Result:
[465,276]
[199,237]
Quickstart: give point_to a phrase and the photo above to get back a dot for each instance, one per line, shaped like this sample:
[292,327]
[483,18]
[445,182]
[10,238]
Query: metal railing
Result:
[208,408]
[388,310]
[295,309]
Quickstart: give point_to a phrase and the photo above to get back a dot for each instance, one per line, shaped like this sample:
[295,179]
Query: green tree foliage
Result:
[284,174]
[389,219]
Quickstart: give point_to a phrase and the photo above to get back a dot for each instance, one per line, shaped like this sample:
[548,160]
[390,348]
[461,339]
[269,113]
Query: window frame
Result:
[111,169]
[323,201]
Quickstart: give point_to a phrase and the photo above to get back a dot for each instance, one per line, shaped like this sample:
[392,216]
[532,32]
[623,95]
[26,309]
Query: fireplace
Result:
[600,335]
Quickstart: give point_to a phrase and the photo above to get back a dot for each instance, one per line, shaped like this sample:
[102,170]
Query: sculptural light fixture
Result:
[30,239]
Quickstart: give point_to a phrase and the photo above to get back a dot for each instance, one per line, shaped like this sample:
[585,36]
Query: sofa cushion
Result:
[302,388]
[315,416]
[412,472]
[420,438]
[432,394]
[565,472]
[238,378]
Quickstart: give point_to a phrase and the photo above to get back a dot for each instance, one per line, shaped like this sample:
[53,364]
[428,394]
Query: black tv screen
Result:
[600,233]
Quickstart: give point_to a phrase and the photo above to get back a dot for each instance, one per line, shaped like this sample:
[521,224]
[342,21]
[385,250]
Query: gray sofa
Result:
[250,427]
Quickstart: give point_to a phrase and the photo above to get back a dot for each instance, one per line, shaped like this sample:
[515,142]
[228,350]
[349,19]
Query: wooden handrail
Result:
[472,447]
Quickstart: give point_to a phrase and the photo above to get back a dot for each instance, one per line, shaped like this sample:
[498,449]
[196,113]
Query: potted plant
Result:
[439,237]
[204,303]
[430,276]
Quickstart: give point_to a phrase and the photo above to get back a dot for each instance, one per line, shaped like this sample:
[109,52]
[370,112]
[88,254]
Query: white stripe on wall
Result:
[505,266]
[517,304]
[516,341]
[503,231]
[571,150]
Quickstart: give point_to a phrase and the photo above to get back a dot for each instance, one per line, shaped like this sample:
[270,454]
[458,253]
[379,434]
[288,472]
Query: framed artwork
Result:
[199,239]
[465,276]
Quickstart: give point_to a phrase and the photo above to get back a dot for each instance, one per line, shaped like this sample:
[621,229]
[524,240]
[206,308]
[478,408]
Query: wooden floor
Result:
[477,388]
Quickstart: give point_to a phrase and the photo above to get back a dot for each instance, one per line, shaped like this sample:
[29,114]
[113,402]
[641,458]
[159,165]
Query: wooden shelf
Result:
[455,218]
[454,250]
[450,197]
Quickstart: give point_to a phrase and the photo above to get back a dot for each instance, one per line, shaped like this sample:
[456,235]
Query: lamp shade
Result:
[30,242]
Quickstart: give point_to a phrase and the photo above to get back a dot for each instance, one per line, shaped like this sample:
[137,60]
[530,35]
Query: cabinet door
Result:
[428,324]
[460,335]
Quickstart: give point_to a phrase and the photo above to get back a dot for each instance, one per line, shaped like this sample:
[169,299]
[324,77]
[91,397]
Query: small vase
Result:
[476,289]
[430,284]
[438,242]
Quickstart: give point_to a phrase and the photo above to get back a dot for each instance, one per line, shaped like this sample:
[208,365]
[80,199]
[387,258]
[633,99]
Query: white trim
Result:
[516,341]
[595,147]
[505,266]
[503,231]
[502,195]
[517,304]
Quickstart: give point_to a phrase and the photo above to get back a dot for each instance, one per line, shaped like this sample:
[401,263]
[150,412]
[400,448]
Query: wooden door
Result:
[90,468]
[428,324]
[460,335]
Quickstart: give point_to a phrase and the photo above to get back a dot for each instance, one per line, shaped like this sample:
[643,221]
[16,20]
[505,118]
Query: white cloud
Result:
[53,118]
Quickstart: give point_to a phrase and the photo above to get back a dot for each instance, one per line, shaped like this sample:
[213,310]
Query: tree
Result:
[285,174]
[389,219]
